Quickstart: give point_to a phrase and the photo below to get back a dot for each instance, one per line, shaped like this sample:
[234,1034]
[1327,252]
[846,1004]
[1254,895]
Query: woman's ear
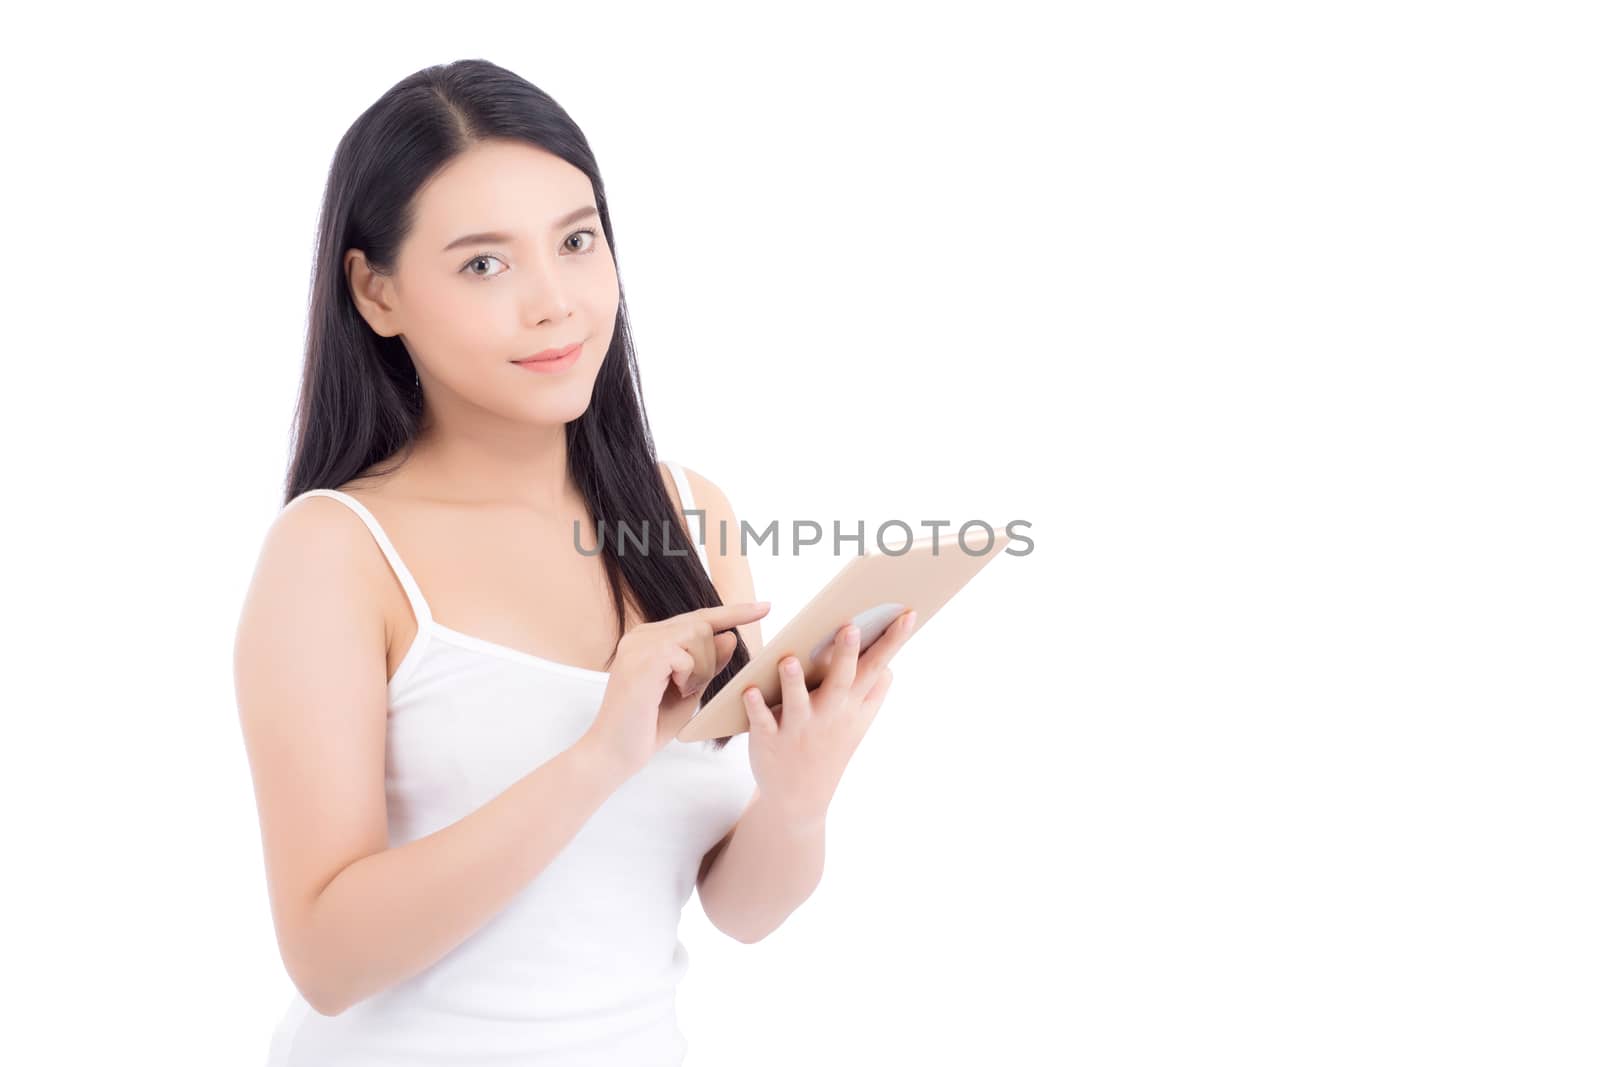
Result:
[370,291]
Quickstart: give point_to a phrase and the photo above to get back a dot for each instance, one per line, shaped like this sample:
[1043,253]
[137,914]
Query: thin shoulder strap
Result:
[419,606]
[686,495]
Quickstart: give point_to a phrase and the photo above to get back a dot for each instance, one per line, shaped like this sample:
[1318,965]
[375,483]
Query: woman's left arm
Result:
[771,861]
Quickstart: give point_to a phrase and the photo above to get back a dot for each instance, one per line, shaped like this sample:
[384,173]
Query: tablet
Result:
[872,590]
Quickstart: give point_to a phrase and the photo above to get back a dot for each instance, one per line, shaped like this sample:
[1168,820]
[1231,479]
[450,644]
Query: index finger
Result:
[727,616]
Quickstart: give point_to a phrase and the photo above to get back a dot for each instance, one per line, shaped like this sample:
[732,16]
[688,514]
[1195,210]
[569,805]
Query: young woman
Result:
[479,828]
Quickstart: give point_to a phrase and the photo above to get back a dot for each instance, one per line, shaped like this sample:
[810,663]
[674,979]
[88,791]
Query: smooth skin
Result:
[799,748]
[482,513]
[660,669]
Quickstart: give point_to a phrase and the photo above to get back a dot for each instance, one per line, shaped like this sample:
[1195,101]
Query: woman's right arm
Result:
[354,916]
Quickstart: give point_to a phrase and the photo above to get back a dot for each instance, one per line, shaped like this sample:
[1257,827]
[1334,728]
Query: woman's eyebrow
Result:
[495,237]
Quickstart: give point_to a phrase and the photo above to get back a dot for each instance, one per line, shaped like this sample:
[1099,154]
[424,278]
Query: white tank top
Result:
[581,969]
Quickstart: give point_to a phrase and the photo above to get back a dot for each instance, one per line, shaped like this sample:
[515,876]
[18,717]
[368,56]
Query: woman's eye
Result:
[591,235]
[479,259]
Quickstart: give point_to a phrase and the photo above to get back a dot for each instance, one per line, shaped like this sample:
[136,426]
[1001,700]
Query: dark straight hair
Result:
[359,398]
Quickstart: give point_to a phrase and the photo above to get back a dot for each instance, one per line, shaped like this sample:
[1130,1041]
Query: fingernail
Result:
[851,633]
[791,666]
[911,620]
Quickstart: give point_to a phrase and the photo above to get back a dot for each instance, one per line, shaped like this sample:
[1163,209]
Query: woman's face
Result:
[506,259]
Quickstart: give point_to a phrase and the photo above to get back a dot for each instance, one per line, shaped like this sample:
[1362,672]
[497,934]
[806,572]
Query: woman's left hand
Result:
[798,749]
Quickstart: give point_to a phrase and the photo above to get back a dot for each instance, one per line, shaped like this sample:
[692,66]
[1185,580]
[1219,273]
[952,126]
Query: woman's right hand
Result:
[656,678]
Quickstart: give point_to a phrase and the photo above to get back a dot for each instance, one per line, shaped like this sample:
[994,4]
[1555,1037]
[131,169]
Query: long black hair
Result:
[360,401]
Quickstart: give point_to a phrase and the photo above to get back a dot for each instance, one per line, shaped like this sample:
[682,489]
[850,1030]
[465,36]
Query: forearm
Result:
[390,915]
[768,868]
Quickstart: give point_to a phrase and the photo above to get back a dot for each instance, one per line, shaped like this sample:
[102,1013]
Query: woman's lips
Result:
[564,358]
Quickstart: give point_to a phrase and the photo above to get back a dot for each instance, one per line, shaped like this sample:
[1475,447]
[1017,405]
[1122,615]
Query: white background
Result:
[1276,321]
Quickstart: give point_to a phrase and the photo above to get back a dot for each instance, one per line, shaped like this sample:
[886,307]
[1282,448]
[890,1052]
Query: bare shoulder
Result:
[315,571]
[707,494]
[320,542]
[697,483]
[709,498]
